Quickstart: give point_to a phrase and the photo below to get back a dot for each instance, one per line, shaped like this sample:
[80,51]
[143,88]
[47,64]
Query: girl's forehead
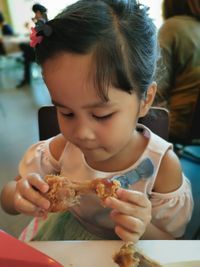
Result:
[69,70]
[68,60]
[74,74]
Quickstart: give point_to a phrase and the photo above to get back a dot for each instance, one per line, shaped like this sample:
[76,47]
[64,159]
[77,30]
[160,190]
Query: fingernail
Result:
[45,188]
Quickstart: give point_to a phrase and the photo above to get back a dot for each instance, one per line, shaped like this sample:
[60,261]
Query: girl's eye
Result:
[68,115]
[105,117]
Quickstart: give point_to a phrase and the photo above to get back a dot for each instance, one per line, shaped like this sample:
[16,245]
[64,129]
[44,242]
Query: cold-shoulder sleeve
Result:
[38,159]
[172,211]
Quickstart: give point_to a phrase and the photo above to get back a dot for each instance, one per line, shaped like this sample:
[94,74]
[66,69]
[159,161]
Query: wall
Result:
[20,11]
[155,10]
[5,10]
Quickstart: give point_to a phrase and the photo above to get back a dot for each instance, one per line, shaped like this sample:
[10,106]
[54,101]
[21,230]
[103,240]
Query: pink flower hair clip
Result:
[37,34]
[35,39]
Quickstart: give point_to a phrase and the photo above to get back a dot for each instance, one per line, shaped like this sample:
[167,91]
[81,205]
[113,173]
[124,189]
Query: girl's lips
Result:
[87,148]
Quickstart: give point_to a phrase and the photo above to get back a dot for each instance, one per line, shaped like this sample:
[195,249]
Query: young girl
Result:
[98,61]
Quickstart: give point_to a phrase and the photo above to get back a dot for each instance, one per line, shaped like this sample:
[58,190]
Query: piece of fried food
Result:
[105,188]
[64,193]
[126,256]
[129,256]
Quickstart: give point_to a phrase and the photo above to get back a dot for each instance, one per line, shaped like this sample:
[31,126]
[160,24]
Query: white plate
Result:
[81,254]
[184,264]
[100,253]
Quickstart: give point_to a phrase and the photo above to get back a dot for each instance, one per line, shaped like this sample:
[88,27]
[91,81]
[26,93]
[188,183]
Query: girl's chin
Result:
[92,156]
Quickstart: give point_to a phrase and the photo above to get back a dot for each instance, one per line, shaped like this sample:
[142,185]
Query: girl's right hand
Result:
[28,197]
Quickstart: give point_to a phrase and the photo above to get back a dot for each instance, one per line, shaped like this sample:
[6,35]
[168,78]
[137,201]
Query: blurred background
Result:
[18,12]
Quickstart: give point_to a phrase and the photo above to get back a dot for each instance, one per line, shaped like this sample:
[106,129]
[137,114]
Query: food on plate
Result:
[126,256]
[64,193]
[129,256]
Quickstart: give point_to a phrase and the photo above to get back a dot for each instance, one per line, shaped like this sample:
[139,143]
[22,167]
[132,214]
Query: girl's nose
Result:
[84,132]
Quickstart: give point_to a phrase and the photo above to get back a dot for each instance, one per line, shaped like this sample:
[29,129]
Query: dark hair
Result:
[38,7]
[118,33]
[172,8]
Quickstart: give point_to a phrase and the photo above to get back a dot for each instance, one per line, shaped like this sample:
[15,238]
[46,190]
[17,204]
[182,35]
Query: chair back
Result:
[157,120]
[47,122]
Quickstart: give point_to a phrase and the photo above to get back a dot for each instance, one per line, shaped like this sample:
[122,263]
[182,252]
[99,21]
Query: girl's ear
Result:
[148,100]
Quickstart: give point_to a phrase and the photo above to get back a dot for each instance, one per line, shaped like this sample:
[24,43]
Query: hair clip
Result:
[35,39]
[42,28]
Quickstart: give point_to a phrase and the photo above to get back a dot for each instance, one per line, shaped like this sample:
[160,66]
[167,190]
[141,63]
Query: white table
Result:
[99,253]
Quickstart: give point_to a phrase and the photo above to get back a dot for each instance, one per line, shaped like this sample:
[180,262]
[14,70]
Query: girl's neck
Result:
[126,158]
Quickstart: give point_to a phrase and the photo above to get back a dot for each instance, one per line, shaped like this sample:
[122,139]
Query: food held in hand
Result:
[64,193]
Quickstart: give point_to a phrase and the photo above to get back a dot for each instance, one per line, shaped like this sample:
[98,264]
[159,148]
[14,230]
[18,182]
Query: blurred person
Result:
[179,86]
[28,52]
[5,30]
[40,13]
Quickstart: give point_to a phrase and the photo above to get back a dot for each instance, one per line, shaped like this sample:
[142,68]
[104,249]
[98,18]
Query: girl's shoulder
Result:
[169,173]
[57,146]
[156,144]
[169,177]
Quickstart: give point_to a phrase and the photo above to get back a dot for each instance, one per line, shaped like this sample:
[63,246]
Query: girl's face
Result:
[103,131]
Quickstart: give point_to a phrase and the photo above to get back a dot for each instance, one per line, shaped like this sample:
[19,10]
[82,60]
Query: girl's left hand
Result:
[131,212]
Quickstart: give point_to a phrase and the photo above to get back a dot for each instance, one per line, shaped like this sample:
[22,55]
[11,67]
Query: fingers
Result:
[24,206]
[129,203]
[135,197]
[36,181]
[125,208]
[128,228]
[29,193]
[132,224]
[125,235]
[28,198]
[131,212]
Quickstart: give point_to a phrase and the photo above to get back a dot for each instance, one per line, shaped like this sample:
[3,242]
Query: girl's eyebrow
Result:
[93,105]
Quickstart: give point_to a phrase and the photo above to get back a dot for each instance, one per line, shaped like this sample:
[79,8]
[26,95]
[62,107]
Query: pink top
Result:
[170,211]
